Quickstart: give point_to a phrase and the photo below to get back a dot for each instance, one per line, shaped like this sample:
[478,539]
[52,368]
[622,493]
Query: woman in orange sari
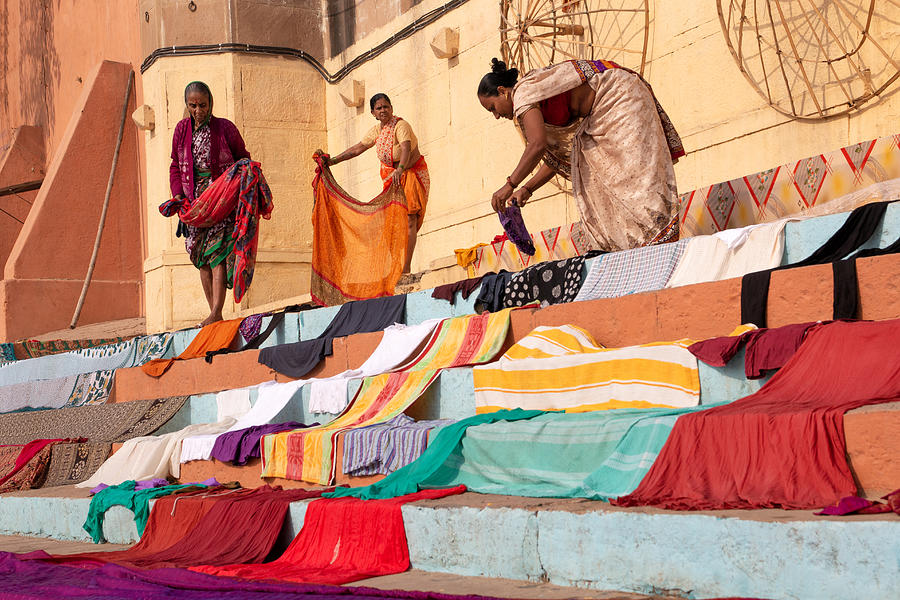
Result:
[401,163]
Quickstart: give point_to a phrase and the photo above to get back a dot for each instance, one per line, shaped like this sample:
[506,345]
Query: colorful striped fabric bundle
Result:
[386,447]
[455,342]
[563,368]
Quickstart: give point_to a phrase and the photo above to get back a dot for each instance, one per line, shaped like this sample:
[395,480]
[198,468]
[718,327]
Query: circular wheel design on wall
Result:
[537,33]
[813,59]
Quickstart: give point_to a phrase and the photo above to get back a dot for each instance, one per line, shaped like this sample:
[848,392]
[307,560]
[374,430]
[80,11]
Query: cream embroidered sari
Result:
[618,157]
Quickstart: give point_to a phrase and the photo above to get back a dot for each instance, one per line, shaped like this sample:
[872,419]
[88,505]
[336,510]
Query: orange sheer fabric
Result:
[359,248]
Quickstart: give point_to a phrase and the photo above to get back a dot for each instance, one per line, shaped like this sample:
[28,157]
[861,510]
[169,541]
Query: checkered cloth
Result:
[631,271]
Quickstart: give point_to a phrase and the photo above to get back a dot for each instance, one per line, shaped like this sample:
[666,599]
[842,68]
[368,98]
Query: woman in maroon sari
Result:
[203,148]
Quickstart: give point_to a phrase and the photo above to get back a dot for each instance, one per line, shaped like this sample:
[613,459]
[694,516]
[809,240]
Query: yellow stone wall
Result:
[277,104]
[285,110]
[727,129]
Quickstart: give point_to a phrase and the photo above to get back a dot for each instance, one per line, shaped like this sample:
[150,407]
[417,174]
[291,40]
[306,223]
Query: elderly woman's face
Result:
[499,106]
[199,106]
[383,110]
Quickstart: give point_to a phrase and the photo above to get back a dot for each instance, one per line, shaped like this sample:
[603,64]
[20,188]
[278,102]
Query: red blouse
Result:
[556,109]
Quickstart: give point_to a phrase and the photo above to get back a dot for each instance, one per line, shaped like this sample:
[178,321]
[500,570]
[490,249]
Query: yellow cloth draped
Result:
[359,248]
[460,341]
[563,368]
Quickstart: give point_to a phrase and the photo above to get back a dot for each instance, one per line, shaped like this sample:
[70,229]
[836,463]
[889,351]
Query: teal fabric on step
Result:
[124,495]
[598,454]
[418,473]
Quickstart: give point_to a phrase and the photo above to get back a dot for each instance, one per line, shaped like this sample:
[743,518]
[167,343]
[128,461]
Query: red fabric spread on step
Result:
[342,540]
[202,528]
[783,446]
[25,452]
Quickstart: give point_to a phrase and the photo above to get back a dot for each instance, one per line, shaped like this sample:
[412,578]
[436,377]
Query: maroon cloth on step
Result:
[237,527]
[465,287]
[782,447]
[342,540]
[767,349]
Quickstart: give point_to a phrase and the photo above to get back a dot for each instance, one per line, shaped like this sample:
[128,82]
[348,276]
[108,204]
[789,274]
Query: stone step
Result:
[762,554]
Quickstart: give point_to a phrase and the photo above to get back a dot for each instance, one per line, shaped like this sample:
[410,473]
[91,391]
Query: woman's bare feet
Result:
[211,319]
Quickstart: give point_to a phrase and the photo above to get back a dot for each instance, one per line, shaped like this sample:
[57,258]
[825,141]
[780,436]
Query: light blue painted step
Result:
[795,556]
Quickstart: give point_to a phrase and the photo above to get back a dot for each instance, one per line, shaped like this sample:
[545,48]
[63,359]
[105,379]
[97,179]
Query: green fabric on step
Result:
[418,473]
[598,454]
[124,495]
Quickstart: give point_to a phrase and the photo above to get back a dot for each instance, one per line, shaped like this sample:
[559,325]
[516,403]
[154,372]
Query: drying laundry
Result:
[213,337]
[448,292]
[124,494]
[132,353]
[547,283]
[342,540]
[730,253]
[299,358]
[241,445]
[784,445]
[856,230]
[766,349]
[75,390]
[631,271]
[101,422]
[460,341]
[151,456]
[386,447]
[563,368]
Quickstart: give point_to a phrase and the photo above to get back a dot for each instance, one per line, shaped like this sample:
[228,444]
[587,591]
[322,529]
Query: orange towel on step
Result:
[214,336]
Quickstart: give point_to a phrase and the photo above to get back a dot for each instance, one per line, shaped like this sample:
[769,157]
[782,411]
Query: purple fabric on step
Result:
[140,485]
[514,226]
[34,579]
[240,446]
[150,483]
[855,505]
[251,326]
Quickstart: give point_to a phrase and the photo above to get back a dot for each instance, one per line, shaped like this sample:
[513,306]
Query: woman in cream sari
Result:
[598,125]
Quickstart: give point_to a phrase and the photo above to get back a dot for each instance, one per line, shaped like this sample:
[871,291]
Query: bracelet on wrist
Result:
[511,184]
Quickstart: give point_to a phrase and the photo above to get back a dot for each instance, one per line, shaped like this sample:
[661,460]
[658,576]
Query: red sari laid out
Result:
[342,540]
[241,190]
[782,447]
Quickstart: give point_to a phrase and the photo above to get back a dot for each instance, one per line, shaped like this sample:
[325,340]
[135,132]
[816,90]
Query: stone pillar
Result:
[278,105]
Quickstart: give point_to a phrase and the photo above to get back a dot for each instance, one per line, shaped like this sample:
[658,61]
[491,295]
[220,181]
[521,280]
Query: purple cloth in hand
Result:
[240,446]
[514,226]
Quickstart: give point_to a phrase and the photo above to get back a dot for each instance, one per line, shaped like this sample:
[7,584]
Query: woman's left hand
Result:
[498,200]
[396,176]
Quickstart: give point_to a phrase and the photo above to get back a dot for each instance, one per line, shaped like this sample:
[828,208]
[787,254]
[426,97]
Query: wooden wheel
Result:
[537,33]
[813,59]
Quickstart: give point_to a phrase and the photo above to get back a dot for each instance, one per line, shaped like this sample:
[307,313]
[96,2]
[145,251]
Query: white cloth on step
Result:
[233,403]
[328,395]
[150,457]
[708,258]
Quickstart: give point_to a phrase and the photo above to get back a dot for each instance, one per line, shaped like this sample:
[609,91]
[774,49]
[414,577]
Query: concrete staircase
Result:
[766,554]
